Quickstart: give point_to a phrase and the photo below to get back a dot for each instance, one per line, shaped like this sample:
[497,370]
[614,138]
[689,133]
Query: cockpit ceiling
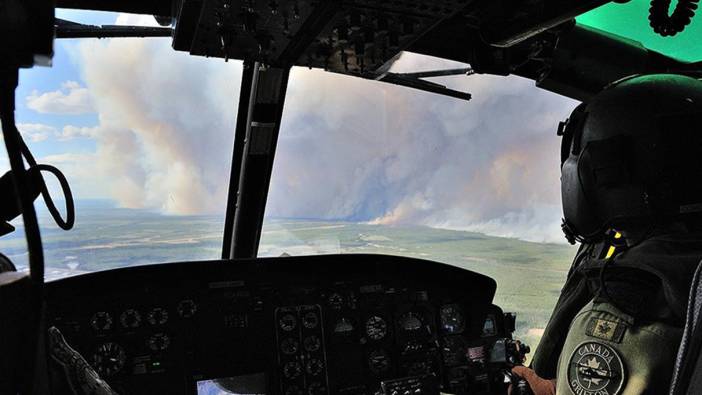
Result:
[630,20]
[349,37]
[355,37]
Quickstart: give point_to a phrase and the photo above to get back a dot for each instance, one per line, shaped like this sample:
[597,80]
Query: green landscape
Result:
[529,275]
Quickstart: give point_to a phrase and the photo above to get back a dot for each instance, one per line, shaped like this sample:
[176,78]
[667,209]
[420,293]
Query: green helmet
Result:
[632,156]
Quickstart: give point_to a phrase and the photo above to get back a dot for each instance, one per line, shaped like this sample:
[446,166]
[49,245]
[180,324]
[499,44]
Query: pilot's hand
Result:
[539,386]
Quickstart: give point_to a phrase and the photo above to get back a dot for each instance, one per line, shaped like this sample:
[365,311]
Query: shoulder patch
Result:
[595,369]
[605,329]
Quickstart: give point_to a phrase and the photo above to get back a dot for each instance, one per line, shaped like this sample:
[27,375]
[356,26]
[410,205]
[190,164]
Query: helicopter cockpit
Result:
[256,317]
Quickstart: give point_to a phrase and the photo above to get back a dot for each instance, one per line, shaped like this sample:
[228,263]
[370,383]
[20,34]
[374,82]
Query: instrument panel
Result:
[336,324]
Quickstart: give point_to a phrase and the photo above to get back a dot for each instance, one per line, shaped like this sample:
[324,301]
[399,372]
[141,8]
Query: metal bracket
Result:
[416,81]
[69,29]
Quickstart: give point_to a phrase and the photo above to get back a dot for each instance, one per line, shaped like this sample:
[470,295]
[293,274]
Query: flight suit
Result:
[618,322]
[607,352]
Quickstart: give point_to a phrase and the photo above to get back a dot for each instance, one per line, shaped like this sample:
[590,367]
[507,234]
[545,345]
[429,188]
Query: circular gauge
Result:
[289,346]
[314,367]
[452,318]
[376,328]
[410,321]
[379,362]
[310,320]
[335,301]
[186,308]
[287,322]
[109,359]
[312,343]
[293,390]
[343,326]
[157,316]
[130,319]
[159,342]
[101,321]
[453,350]
[292,370]
[316,388]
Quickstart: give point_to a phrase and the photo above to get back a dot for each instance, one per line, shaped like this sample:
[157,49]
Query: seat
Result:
[687,374]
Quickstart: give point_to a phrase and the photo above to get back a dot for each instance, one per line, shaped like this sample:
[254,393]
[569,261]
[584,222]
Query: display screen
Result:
[250,384]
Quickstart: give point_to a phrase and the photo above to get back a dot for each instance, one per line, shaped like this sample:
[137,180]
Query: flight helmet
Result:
[632,157]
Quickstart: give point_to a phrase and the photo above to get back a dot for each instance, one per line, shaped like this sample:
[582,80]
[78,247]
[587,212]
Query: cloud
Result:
[35,132]
[349,149]
[166,123]
[70,132]
[71,99]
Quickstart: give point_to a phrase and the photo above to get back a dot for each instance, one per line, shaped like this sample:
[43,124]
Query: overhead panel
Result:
[355,36]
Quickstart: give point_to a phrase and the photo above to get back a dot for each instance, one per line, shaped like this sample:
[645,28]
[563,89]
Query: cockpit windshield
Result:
[144,135]
[366,167]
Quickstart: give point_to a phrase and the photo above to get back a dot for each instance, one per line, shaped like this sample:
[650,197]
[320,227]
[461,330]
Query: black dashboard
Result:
[334,324]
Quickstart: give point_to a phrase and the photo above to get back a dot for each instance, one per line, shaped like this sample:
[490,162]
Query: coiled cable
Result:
[670,25]
[68,223]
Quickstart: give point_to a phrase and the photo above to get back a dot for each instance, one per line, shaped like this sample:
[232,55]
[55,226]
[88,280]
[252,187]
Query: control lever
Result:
[507,353]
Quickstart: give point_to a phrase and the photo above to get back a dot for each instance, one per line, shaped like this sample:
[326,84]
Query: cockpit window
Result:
[366,167]
[631,21]
[144,135]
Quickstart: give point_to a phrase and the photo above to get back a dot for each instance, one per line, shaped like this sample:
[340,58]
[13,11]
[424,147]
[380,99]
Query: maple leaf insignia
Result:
[604,328]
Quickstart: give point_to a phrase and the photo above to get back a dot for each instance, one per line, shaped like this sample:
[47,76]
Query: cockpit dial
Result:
[314,367]
[187,308]
[310,320]
[130,319]
[101,321]
[287,322]
[159,342]
[312,343]
[289,346]
[157,316]
[452,319]
[109,359]
[410,321]
[376,328]
[292,370]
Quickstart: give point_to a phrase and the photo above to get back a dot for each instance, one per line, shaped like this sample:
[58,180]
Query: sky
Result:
[136,122]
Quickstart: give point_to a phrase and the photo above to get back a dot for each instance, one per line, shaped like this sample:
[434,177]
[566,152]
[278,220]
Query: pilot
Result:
[631,184]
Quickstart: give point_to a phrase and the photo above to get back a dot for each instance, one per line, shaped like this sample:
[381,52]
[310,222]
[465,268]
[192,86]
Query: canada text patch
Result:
[595,369]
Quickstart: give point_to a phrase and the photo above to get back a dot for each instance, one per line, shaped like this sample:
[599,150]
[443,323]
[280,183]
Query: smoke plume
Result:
[349,149]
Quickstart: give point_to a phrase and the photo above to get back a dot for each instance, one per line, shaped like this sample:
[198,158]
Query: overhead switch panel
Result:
[354,37]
